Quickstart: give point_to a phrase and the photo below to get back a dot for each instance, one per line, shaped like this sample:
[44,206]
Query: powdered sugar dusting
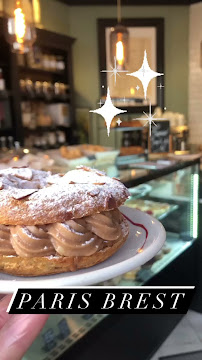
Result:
[74,195]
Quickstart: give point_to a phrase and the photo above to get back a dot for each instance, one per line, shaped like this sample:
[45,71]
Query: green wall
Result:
[55,16]
[80,22]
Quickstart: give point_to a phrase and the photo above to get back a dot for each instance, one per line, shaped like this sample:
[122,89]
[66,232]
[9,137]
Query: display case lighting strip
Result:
[195,178]
[195,205]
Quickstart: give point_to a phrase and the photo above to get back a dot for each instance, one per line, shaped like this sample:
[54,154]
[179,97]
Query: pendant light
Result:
[37,13]
[119,42]
[19,25]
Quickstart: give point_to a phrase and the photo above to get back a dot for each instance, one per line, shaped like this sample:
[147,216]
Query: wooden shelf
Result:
[54,100]
[50,43]
[41,71]
[46,128]
[6,131]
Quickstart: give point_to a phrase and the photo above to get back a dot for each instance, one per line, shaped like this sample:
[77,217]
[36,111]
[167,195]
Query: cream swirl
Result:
[84,237]
[105,225]
[74,239]
[77,237]
[5,243]
[30,241]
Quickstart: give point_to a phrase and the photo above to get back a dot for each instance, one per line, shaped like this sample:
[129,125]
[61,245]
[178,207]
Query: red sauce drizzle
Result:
[139,225]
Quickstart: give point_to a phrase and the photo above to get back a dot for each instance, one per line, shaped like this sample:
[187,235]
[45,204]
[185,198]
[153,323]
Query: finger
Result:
[18,334]
[4,316]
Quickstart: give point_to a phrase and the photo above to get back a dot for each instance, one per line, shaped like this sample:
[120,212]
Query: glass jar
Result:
[38,88]
[60,63]
[30,88]
[48,90]
[53,62]
[46,62]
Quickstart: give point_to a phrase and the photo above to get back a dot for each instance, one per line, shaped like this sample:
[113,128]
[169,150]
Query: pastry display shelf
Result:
[126,160]
[165,192]
[172,208]
[128,128]
[177,247]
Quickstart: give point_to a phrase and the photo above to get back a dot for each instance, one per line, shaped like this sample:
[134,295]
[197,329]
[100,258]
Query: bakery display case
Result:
[170,194]
[173,199]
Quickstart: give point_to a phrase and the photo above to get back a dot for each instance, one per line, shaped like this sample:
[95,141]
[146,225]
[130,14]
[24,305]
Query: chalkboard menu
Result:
[159,141]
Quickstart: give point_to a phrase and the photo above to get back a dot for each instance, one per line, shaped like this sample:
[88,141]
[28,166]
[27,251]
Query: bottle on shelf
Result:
[18,151]
[10,144]
[2,82]
[60,63]
[52,139]
[61,138]
[4,148]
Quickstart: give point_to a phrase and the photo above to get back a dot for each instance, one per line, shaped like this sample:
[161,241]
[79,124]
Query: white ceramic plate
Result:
[126,259]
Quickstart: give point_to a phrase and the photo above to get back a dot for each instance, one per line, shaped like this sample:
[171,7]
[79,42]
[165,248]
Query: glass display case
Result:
[168,193]
[173,199]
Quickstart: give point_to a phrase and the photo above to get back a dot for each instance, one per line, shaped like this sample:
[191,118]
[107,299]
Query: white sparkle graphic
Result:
[160,86]
[145,74]
[137,87]
[108,111]
[100,103]
[115,71]
[149,118]
[119,121]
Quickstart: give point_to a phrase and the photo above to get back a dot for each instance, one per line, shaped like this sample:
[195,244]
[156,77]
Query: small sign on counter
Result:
[160,140]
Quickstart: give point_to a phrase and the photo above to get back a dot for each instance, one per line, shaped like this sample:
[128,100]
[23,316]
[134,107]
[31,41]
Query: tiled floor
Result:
[186,337]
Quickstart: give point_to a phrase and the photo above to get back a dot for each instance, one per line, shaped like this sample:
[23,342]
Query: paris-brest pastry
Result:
[56,223]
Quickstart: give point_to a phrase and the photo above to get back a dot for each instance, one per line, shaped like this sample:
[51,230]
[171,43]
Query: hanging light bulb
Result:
[119,42]
[20,29]
[37,13]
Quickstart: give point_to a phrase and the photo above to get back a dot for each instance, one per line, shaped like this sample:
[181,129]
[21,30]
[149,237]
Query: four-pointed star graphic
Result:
[108,111]
[145,74]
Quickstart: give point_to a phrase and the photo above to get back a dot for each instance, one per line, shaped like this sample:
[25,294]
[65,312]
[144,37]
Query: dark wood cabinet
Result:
[14,71]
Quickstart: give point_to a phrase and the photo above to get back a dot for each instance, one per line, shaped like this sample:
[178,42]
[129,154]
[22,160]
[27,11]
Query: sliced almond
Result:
[19,194]
[24,174]
[1,185]
[99,183]
[93,192]
[81,167]
[116,179]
